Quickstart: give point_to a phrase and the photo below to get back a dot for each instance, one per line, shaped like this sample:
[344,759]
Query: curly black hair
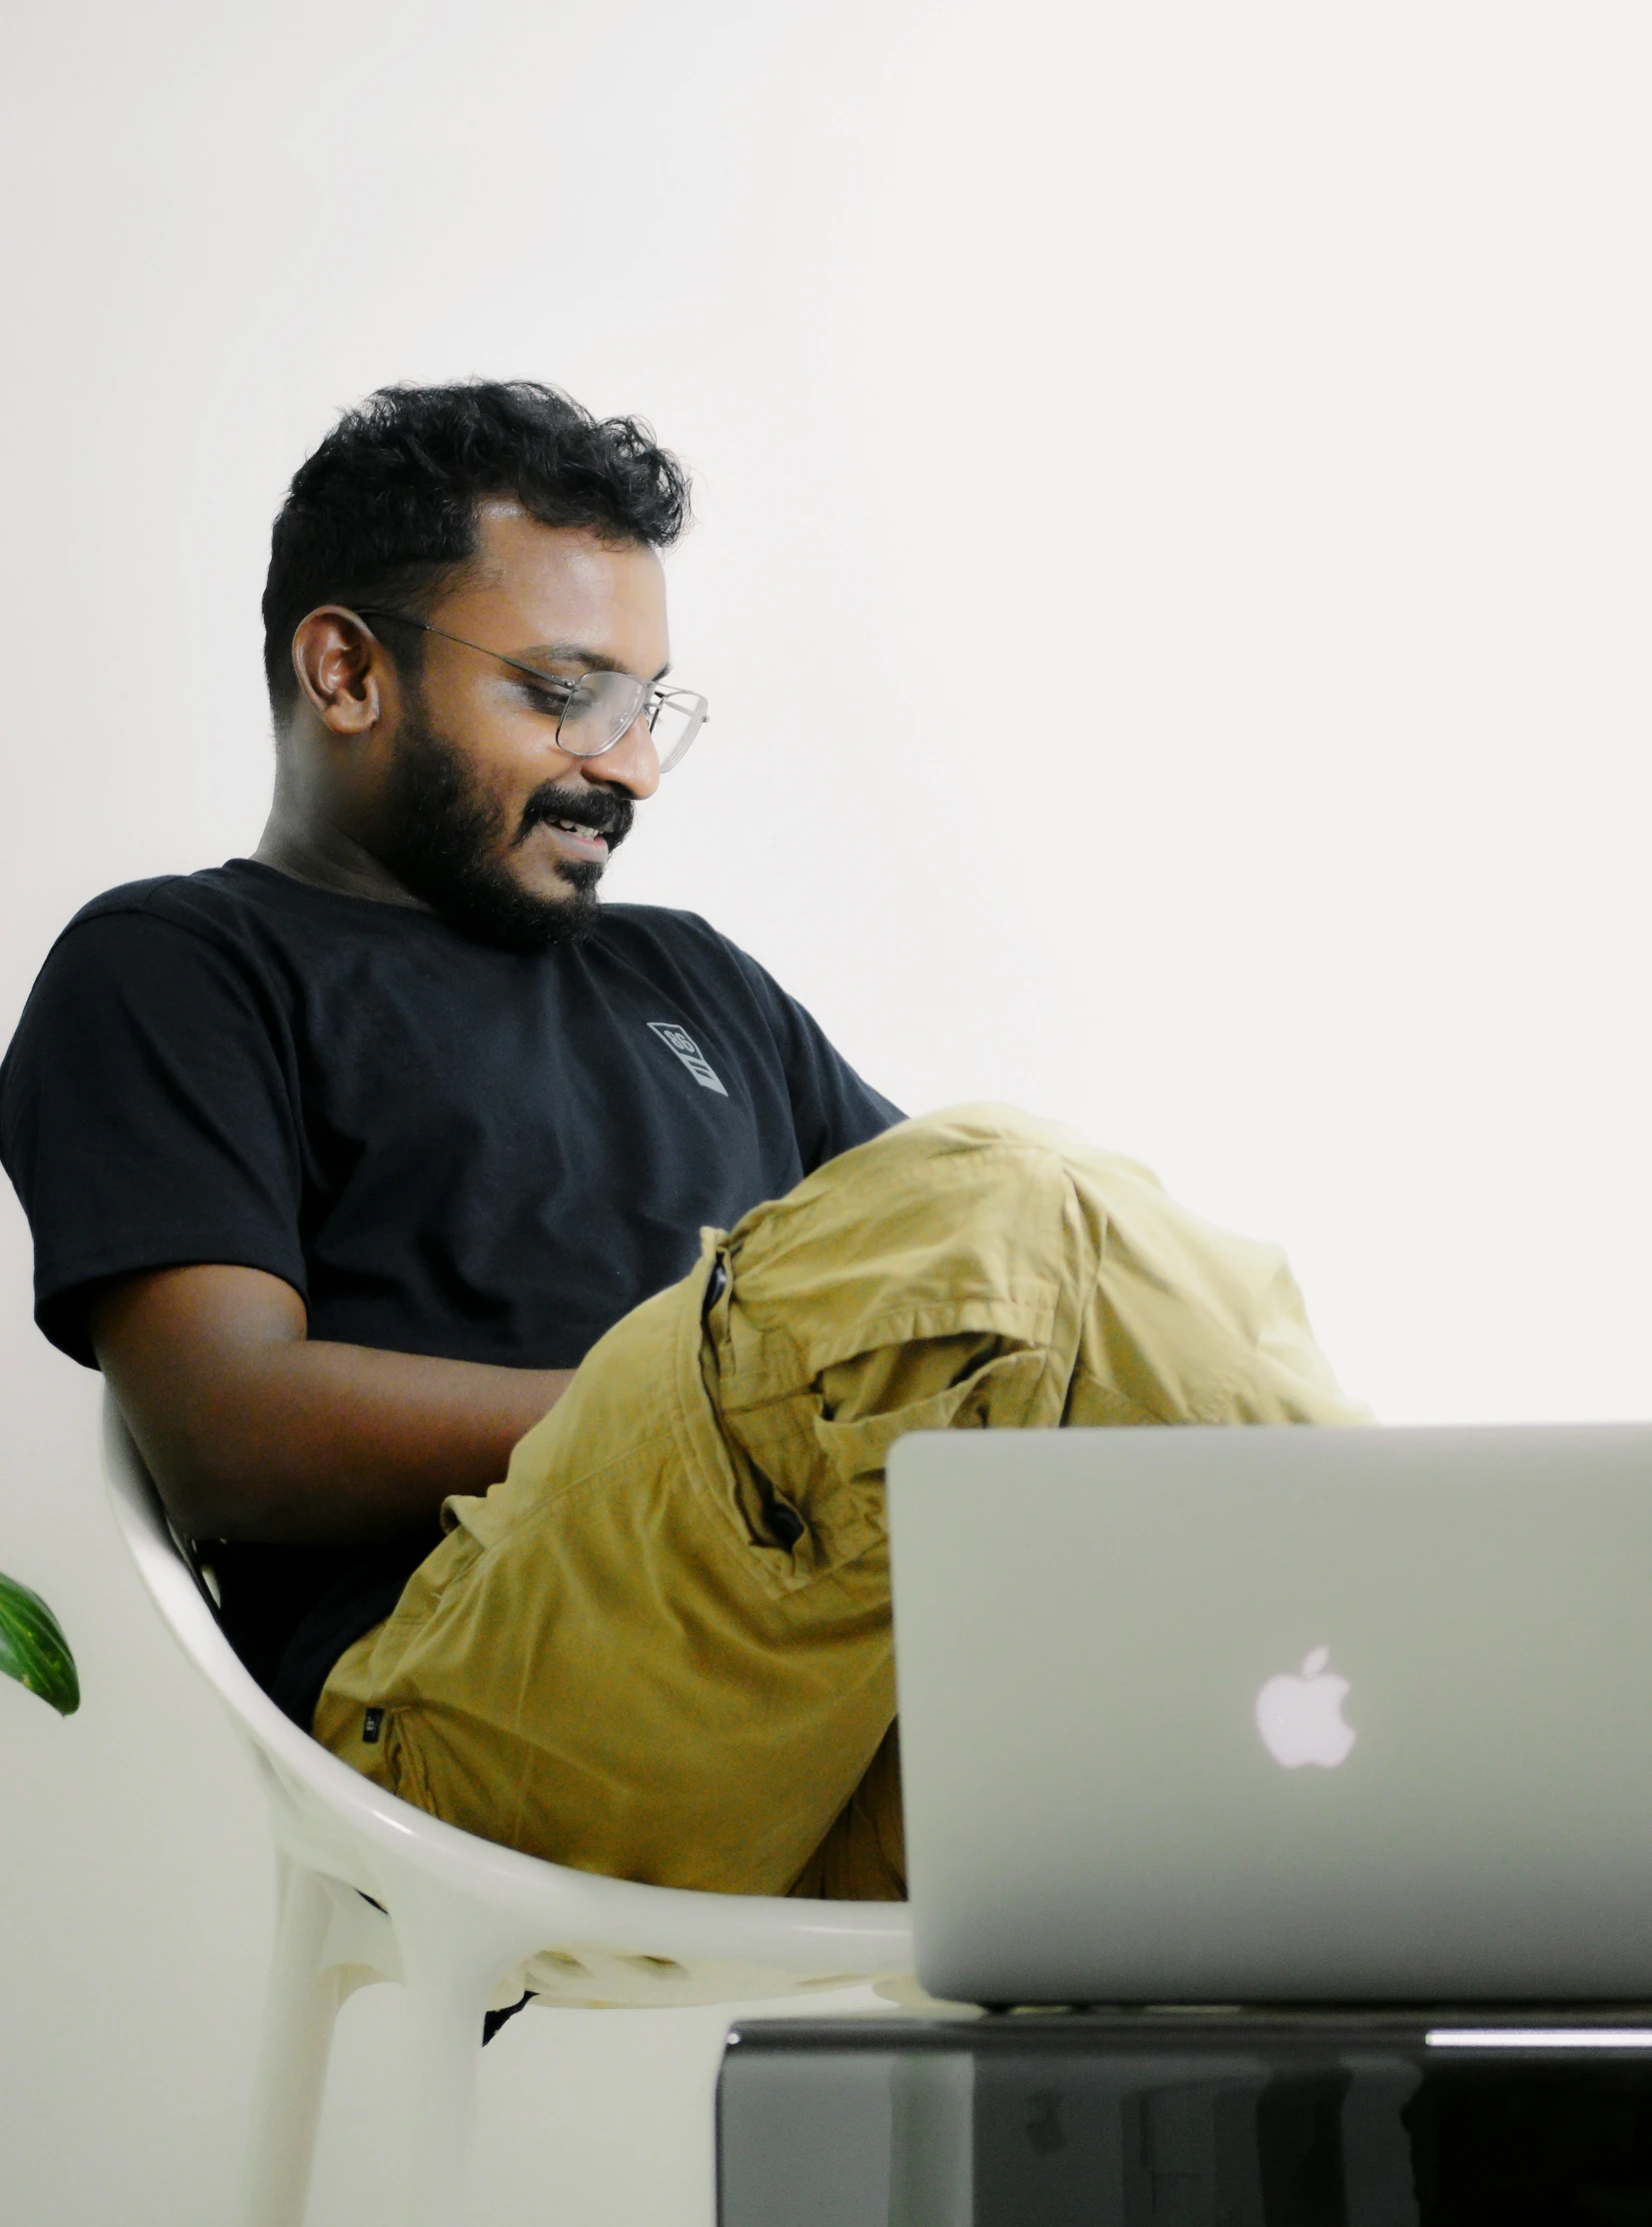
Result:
[386,508]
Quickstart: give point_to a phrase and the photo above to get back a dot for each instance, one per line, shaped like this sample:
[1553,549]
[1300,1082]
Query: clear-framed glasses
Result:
[593,712]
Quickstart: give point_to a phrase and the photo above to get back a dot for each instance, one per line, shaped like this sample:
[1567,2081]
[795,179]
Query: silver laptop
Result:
[1277,1714]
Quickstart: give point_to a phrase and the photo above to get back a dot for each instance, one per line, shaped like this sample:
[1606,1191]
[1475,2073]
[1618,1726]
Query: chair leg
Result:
[294,2047]
[447,1988]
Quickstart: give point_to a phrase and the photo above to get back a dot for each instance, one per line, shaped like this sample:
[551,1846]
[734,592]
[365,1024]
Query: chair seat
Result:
[373,1889]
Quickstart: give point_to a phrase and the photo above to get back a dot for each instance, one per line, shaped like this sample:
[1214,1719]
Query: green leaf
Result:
[33,1650]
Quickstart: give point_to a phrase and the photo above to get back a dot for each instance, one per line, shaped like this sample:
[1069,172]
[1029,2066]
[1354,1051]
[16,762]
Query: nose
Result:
[632,763]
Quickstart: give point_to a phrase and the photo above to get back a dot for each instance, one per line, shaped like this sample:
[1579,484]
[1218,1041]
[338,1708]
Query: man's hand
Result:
[253,1430]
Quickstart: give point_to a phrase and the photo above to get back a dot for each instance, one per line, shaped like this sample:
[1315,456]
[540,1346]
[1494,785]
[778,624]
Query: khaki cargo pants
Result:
[660,1648]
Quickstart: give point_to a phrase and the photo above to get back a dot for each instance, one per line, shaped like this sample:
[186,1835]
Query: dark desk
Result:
[1187,2119]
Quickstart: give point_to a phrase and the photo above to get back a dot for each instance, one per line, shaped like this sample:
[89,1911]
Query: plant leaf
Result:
[33,1650]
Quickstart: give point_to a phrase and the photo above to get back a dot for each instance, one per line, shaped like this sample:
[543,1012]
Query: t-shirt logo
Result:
[690,1053]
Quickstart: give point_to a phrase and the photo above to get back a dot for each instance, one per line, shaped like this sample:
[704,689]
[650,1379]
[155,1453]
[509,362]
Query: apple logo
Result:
[1300,1716]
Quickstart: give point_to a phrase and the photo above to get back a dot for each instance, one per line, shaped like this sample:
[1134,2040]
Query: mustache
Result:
[604,814]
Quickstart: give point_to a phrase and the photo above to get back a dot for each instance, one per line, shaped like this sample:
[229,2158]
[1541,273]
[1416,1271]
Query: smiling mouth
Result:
[595,828]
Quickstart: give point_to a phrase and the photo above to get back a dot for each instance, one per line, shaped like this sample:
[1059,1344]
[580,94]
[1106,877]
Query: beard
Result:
[447,841]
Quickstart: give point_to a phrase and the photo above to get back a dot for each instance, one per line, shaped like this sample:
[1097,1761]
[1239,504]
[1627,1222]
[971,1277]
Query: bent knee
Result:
[965,1127]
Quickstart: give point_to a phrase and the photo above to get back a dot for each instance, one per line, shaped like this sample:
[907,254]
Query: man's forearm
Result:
[323,1443]
[255,1431]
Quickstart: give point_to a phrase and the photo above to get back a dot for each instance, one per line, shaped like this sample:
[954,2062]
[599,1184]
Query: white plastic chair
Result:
[371,1888]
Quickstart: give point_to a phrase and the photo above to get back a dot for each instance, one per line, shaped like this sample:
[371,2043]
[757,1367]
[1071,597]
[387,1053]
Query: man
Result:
[388,1165]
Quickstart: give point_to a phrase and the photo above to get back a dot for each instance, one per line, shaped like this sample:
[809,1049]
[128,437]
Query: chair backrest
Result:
[173,1580]
[343,1824]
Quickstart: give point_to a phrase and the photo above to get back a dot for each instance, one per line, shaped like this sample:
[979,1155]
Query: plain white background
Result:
[1171,579]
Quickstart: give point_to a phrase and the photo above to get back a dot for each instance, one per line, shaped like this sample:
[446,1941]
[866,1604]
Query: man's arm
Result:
[253,1430]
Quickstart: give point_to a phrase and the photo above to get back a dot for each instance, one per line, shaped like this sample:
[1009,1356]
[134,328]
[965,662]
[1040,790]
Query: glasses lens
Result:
[677,718]
[599,712]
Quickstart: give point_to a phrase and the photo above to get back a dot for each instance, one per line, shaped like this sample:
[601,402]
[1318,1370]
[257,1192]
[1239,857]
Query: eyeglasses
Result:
[594,712]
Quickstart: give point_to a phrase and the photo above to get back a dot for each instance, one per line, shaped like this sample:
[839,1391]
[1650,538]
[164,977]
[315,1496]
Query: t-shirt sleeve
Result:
[832,1109]
[147,1115]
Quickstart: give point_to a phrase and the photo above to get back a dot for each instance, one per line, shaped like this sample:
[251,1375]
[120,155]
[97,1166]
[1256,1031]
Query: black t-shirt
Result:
[445,1149]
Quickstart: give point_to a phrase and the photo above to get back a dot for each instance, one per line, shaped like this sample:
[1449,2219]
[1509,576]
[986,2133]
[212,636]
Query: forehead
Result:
[531,584]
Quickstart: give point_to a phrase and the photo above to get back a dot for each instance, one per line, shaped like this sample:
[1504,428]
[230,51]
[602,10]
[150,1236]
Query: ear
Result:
[341,669]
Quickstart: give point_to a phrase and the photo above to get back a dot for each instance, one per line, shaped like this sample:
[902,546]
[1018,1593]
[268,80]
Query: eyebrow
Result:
[578,653]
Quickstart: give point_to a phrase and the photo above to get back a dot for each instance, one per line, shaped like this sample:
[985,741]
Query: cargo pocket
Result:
[995,1393]
[400,1768]
[809,1463]
[454,1764]
[769,1520]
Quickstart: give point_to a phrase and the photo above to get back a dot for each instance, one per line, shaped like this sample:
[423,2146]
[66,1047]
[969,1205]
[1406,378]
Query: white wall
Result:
[1171,579]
